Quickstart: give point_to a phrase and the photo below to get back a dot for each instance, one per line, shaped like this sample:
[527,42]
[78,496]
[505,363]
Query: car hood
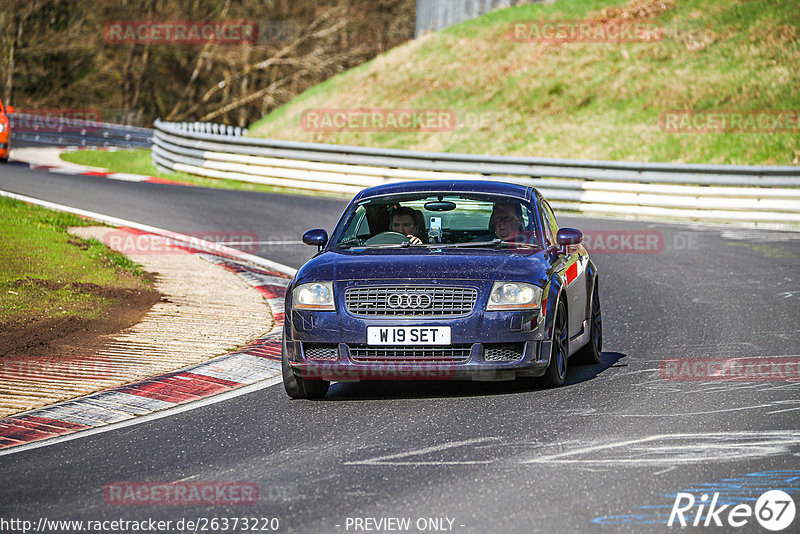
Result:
[427,264]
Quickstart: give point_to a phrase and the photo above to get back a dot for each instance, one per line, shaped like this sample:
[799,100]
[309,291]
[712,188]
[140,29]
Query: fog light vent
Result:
[320,352]
[503,352]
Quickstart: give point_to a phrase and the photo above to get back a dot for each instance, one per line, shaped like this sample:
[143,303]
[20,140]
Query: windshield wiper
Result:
[404,244]
[494,242]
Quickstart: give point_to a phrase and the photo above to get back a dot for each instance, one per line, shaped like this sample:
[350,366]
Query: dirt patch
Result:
[637,10]
[80,243]
[69,336]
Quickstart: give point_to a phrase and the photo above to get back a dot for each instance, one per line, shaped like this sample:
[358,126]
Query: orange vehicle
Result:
[5,131]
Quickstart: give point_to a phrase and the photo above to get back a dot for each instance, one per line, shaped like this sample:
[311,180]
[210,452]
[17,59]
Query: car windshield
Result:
[438,220]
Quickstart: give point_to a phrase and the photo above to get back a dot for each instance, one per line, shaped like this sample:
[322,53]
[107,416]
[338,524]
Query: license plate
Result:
[408,335]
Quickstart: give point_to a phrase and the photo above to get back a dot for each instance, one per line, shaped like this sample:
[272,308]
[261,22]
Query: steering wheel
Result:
[387,238]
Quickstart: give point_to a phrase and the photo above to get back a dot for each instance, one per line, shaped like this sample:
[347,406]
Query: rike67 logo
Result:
[774,510]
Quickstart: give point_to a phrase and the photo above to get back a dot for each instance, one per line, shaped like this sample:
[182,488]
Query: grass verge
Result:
[45,273]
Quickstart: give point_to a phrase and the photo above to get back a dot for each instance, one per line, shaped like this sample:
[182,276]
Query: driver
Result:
[406,221]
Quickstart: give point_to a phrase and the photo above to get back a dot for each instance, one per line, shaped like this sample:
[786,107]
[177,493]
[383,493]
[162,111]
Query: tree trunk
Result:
[9,89]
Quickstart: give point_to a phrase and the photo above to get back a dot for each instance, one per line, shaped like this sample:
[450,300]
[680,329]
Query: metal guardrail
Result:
[434,15]
[59,131]
[766,194]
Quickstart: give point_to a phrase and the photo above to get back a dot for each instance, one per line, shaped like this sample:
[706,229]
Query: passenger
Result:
[506,220]
[506,223]
[409,222]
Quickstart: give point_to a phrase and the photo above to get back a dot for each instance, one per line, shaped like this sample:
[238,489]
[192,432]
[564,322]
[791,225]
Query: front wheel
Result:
[556,371]
[298,387]
[590,353]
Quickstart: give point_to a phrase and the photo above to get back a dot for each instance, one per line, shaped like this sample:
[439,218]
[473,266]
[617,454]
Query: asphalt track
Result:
[607,452]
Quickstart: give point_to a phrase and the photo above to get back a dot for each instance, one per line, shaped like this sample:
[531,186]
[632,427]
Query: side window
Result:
[547,225]
[526,217]
[358,225]
[552,217]
[363,227]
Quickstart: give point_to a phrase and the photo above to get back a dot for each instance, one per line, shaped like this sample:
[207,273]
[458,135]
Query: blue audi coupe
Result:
[441,280]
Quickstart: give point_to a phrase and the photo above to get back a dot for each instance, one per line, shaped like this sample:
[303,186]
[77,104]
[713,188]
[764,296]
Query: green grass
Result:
[580,100]
[47,273]
[139,162]
[127,161]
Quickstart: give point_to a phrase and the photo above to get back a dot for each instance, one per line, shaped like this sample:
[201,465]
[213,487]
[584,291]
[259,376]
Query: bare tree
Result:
[57,54]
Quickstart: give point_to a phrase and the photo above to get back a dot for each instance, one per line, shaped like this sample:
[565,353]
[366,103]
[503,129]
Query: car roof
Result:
[449,186]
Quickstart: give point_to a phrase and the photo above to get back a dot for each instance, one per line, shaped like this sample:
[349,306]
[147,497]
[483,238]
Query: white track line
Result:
[389,459]
[220,397]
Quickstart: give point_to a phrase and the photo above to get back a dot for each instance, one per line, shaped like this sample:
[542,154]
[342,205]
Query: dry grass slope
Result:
[580,100]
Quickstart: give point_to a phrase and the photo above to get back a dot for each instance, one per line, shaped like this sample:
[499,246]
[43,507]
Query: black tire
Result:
[556,371]
[3,160]
[297,387]
[591,353]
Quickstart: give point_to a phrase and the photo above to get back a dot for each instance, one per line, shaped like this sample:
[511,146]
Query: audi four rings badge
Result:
[418,301]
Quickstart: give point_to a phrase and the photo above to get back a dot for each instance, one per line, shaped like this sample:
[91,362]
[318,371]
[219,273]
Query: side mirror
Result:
[568,236]
[9,109]
[318,237]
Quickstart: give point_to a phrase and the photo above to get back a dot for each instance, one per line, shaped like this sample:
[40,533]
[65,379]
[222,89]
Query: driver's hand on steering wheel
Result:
[414,240]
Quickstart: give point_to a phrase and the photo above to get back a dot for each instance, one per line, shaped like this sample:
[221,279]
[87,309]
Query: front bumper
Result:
[343,367]
[484,346]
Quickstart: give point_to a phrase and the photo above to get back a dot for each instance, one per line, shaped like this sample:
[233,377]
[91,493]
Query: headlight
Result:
[514,296]
[2,127]
[314,296]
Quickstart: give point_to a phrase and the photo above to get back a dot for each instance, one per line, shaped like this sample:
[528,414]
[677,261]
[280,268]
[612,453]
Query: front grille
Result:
[320,352]
[410,301]
[505,352]
[410,354]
